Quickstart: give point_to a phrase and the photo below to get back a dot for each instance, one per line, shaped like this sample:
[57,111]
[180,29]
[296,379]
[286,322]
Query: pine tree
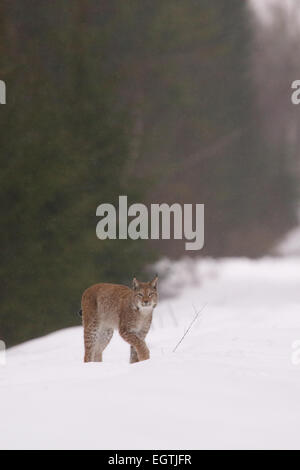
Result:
[65,144]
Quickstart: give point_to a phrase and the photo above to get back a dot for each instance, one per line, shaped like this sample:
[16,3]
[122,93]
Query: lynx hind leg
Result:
[104,337]
[96,340]
[133,355]
[90,324]
[90,342]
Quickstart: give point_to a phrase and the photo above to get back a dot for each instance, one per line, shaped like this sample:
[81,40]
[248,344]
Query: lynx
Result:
[106,307]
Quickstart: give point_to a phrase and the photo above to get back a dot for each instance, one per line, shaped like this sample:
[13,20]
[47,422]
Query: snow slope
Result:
[230,384]
[290,245]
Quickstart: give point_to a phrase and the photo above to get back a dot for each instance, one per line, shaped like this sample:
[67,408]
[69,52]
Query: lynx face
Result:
[145,295]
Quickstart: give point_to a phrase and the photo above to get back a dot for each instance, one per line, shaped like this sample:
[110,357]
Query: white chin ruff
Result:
[146,310]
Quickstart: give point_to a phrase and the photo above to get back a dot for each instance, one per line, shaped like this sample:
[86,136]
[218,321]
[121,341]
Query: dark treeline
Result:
[145,98]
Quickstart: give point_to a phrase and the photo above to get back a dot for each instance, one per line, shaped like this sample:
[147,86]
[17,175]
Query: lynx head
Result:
[145,294]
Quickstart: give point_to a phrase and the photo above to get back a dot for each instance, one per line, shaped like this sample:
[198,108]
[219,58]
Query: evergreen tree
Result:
[64,146]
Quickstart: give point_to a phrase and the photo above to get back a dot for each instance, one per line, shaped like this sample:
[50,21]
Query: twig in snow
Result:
[189,328]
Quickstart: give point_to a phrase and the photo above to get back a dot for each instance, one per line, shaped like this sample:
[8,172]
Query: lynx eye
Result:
[140,295]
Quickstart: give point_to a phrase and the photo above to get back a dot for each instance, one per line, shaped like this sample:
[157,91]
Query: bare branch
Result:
[190,327]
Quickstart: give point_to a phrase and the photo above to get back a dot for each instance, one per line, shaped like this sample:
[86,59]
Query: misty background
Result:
[169,101]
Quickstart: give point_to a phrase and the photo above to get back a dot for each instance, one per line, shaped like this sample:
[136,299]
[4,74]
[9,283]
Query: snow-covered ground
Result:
[234,382]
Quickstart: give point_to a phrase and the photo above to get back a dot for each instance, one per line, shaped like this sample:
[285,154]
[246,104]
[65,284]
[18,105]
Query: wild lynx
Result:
[106,307]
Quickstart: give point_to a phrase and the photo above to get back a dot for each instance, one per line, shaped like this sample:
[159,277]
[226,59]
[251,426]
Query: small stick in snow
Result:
[189,328]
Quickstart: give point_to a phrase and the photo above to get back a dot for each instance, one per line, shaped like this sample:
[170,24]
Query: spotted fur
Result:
[107,307]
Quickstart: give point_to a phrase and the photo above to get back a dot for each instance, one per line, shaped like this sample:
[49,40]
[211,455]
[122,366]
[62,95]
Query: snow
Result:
[290,245]
[233,383]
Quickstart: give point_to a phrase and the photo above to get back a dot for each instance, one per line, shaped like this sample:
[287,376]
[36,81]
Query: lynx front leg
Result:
[138,344]
[142,335]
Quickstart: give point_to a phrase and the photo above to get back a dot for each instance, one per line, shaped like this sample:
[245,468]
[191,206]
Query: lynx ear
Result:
[153,283]
[135,284]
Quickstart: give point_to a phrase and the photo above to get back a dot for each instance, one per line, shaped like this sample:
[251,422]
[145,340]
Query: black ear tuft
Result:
[135,283]
[154,282]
